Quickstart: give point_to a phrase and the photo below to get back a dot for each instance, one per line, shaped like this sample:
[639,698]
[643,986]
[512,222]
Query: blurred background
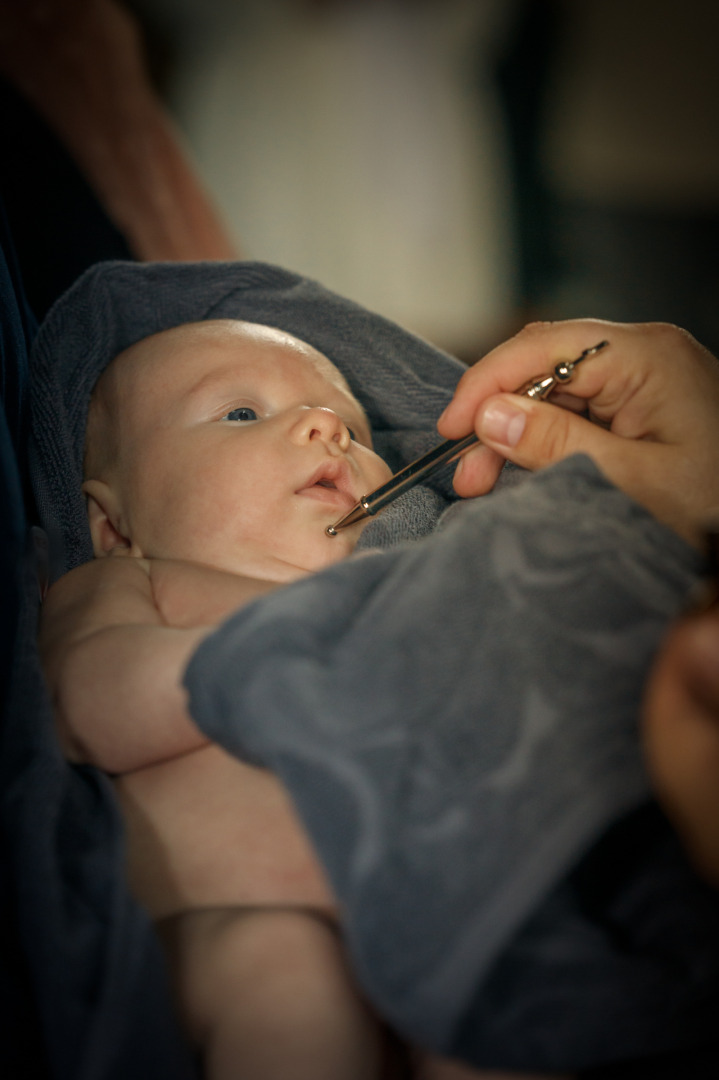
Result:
[461,166]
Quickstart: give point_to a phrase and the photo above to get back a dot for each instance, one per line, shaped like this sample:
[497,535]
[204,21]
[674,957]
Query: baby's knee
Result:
[264,944]
[293,961]
[231,960]
[273,987]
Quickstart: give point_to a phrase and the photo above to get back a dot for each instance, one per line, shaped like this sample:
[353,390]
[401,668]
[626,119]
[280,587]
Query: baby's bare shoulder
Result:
[194,594]
[100,593]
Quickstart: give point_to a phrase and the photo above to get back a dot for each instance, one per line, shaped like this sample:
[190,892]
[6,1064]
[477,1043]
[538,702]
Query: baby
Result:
[255,441]
[216,455]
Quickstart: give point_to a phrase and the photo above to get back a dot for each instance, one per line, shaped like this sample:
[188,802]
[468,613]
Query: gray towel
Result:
[457,721]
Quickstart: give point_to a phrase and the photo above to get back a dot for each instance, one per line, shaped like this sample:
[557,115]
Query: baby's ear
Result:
[104,516]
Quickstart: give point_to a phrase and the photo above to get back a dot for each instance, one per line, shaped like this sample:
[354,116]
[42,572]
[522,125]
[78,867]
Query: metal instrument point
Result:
[539,387]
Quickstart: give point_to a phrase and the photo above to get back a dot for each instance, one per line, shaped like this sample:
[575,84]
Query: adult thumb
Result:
[533,434]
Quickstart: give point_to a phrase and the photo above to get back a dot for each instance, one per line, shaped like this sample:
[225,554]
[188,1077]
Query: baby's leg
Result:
[267,995]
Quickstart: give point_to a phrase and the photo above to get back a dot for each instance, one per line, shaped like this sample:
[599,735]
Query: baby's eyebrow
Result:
[213,386]
[212,381]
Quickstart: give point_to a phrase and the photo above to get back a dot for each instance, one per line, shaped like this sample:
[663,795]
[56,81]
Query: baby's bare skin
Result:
[214,845]
[216,852]
[205,830]
[186,814]
[236,444]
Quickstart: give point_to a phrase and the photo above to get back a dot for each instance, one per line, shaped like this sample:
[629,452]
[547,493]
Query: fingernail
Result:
[502,422]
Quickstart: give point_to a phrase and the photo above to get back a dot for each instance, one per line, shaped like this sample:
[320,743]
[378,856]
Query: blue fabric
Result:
[84,993]
[630,930]
[21,1051]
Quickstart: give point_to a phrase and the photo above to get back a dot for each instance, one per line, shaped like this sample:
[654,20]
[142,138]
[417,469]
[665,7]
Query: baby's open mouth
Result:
[330,484]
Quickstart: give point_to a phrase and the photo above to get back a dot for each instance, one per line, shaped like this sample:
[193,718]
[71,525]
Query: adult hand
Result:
[681,733]
[646,409]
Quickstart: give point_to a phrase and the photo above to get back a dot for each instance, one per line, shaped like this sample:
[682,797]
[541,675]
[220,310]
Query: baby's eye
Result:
[243,414]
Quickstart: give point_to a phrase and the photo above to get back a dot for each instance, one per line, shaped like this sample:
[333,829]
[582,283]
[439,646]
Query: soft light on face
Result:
[230,444]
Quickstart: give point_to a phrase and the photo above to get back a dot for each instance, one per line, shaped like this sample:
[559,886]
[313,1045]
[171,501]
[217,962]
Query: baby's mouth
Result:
[330,484]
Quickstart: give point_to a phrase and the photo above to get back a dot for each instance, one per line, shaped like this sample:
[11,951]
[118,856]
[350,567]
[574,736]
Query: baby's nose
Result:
[319,422]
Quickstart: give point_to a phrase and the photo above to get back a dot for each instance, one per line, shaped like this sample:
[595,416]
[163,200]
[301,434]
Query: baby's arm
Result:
[115,637]
[114,668]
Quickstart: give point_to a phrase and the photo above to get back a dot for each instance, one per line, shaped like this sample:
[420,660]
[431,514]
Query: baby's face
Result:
[229,444]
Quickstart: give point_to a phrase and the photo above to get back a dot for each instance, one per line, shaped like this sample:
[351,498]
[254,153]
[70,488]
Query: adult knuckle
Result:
[673,345]
[671,337]
[537,326]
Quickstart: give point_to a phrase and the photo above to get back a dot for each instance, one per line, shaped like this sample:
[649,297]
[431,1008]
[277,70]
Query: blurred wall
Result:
[628,158]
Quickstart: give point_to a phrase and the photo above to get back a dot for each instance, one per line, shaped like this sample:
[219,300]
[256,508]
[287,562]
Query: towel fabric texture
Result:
[457,721]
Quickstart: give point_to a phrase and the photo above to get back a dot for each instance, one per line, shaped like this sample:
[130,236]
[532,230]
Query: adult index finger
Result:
[535,350]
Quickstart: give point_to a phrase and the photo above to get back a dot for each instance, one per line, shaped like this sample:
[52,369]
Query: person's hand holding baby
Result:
[653,397]
[681,732]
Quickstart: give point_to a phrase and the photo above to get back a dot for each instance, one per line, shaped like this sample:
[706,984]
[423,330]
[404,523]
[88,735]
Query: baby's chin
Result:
[330,550]
[285,567]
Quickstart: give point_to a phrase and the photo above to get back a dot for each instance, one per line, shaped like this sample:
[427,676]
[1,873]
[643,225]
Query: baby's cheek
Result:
[379,472]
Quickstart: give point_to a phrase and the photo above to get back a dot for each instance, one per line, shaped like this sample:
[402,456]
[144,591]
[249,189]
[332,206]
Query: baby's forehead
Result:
[191,349]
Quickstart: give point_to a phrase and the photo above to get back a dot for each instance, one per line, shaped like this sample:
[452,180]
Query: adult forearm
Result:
[132,155]
[81,65]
